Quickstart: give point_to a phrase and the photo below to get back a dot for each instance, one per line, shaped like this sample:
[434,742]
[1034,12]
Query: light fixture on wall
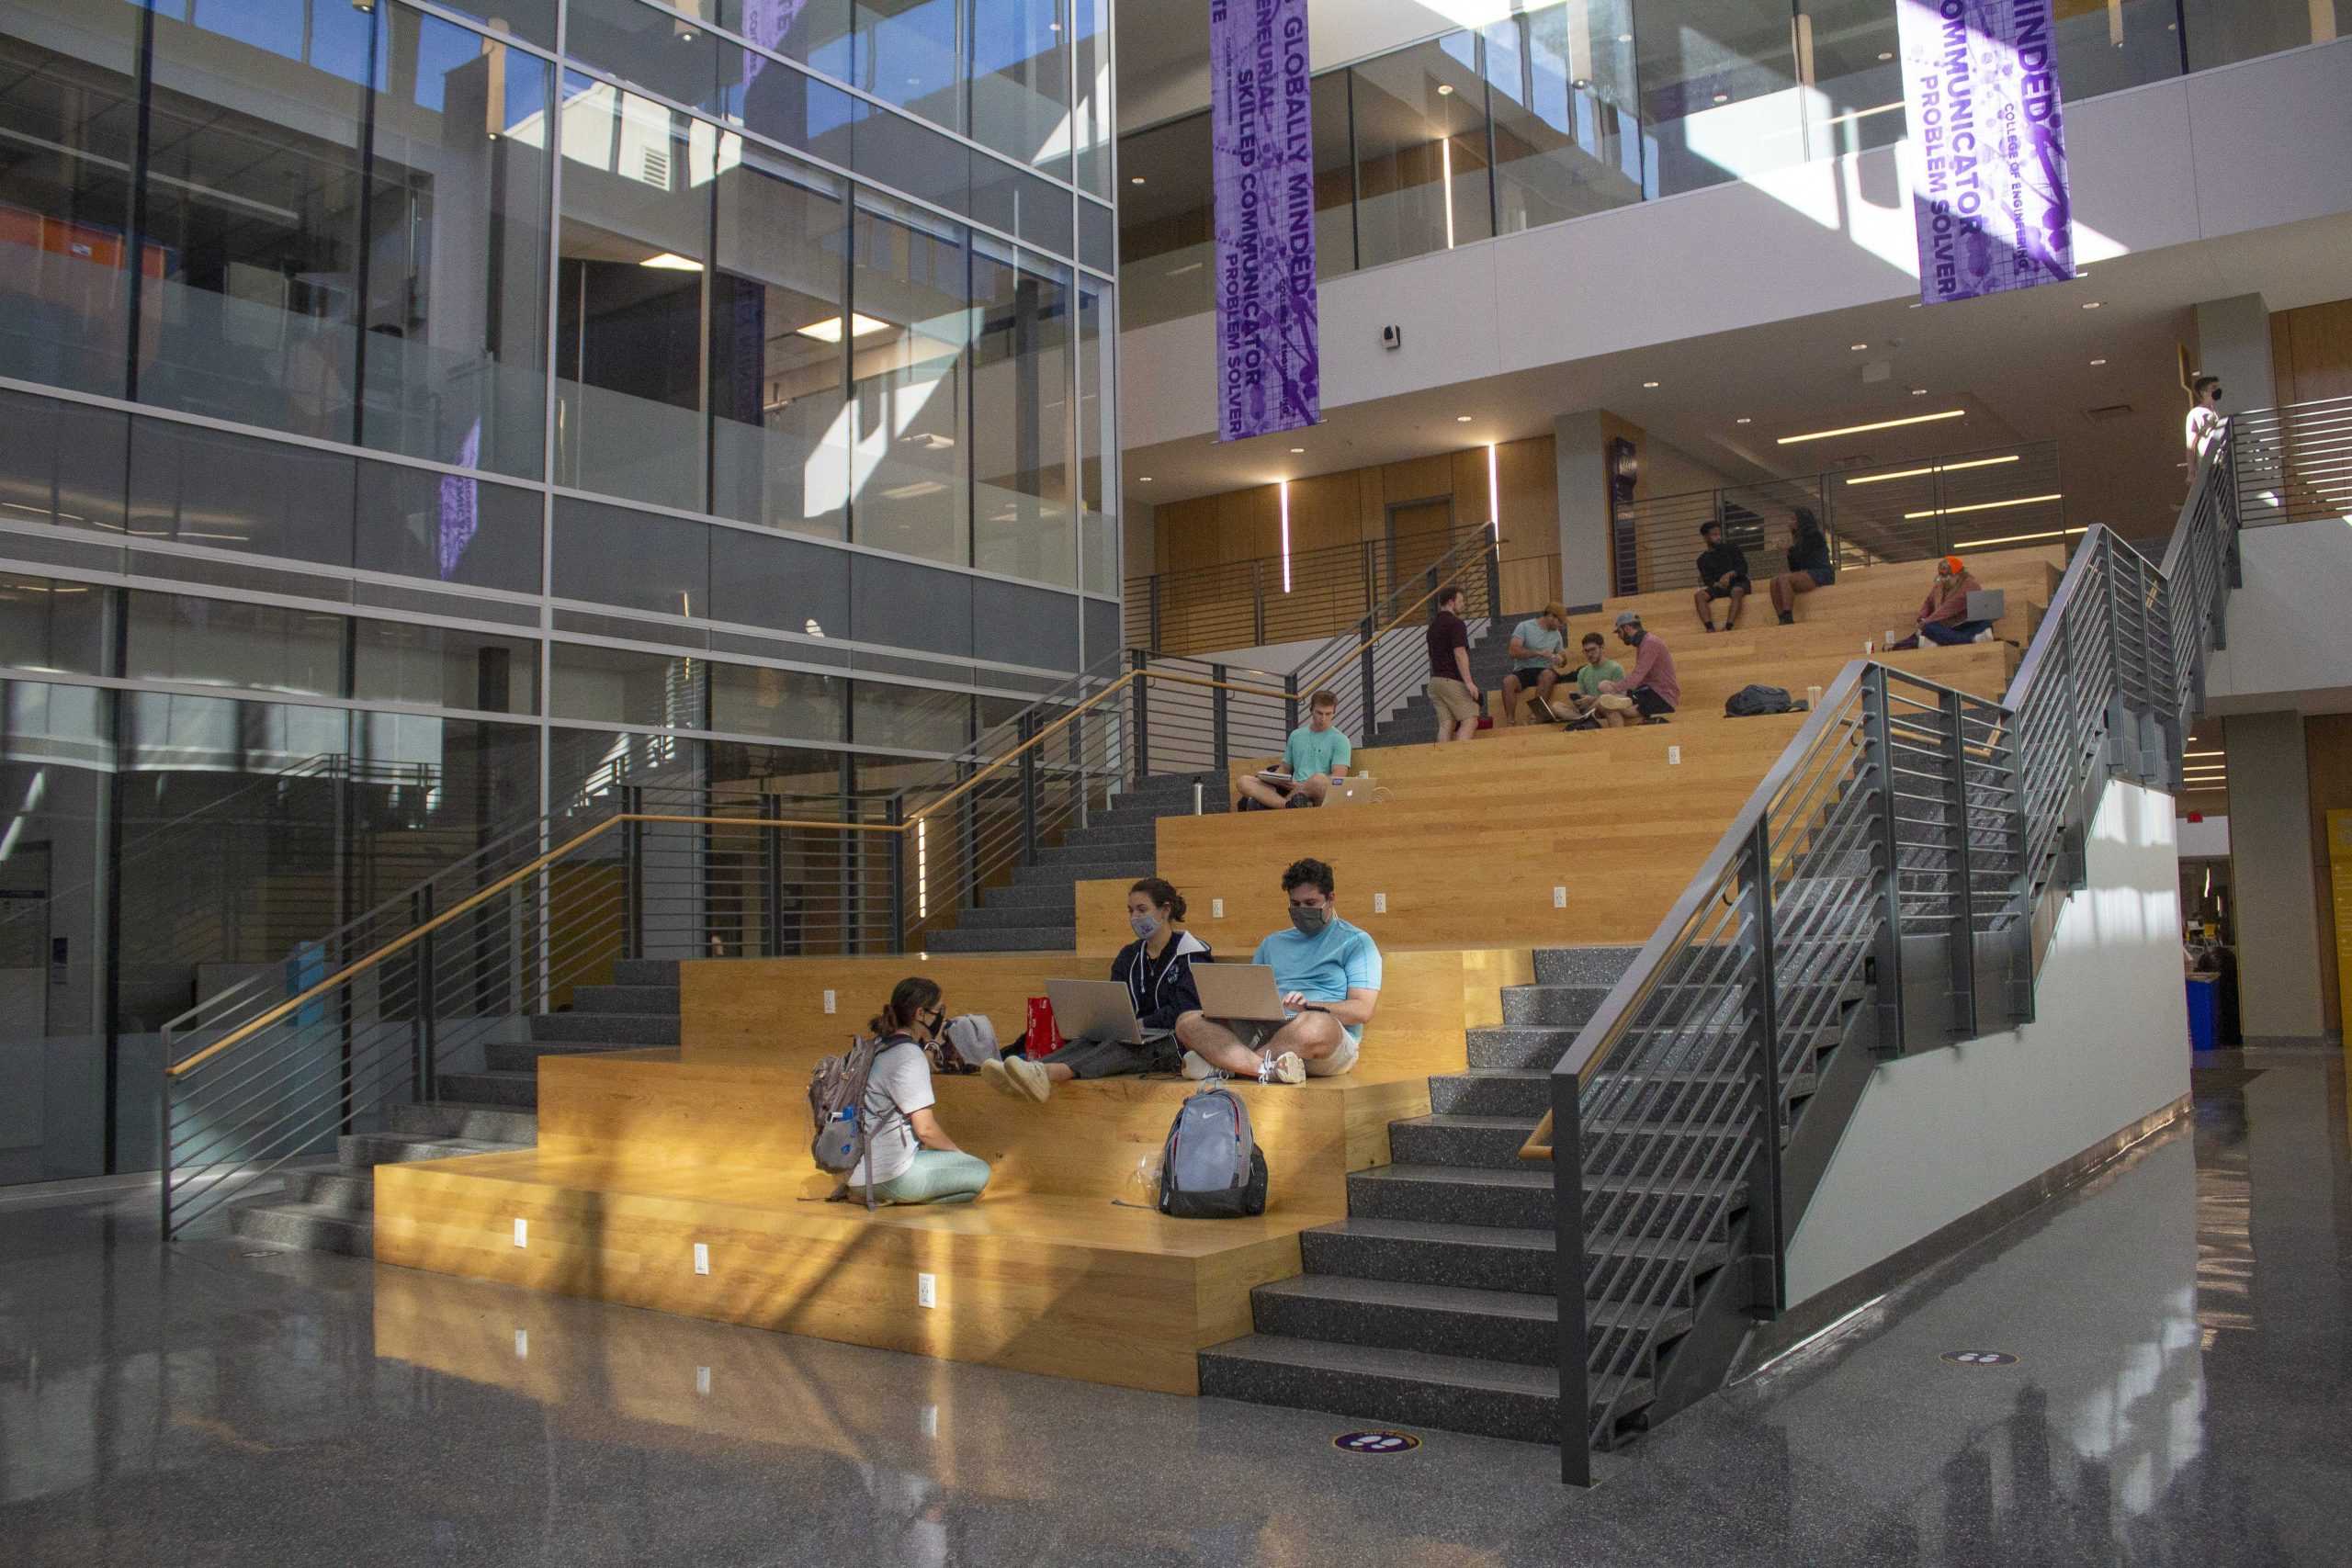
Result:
[1494,500]
[1284,487]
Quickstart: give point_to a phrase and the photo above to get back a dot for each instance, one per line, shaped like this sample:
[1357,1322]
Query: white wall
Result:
[2207,839]
[2221,152]
[1938,1136]
[2290,642]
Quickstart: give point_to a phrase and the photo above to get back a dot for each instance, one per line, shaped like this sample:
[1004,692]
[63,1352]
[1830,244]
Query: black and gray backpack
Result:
[1211,1168]
[843,1132]
[1749,701]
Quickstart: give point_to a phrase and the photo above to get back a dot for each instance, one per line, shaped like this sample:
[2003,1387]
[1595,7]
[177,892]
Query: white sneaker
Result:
[1285,1069]
[1985,636]
[1196,1067]
[1020,1077]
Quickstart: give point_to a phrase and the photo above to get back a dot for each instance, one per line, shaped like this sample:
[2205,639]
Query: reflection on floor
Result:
[2181,1327]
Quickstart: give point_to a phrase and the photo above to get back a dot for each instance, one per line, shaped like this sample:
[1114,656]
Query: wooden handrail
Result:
[408,939]
[1539,1142]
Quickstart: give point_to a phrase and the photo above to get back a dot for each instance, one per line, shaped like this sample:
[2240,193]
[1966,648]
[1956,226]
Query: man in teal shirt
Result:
[1328,973]
[1317,754]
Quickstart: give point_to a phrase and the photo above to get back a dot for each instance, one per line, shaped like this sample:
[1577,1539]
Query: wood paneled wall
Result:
[1351,507]
[2327,755]
[2311,352]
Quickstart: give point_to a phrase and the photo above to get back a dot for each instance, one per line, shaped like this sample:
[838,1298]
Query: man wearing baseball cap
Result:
[1651,690]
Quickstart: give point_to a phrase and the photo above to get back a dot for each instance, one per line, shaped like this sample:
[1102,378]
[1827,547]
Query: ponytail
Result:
[1162,892]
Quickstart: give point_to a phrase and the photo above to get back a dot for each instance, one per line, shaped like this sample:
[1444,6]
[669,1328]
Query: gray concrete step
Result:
[313,1227]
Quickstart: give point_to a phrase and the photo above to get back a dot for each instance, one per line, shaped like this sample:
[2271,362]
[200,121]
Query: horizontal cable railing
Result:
[2294,463]
[1993,498]
[1269,600]
[656,861]
[1891,865]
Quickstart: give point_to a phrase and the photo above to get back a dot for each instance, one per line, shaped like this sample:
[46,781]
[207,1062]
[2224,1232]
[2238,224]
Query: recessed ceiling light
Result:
[1918,392]
[1650,384]
[1876,425]
[1143,479]
[1887,54]
[1462,419]
[1624,38]
[2098,362]
[1134,179]
[1917,305]
[2091,304]
[1722,97]
[668,262]
[1445,89]
[1857,348]
[1296,450]
[830,329]
[1742,419]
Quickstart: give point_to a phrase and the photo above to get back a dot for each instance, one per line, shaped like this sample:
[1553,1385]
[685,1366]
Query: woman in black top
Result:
[1809,566]
[1157,969]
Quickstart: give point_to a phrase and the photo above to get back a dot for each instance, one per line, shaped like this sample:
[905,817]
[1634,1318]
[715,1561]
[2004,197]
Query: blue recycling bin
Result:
[2204,1013]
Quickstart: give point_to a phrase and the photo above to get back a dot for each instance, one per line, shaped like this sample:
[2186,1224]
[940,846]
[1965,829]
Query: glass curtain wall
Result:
[408,425]
[1565,107]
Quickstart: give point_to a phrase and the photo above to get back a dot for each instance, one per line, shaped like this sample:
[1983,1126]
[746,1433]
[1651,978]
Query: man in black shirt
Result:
[1723,574]
[1452,691]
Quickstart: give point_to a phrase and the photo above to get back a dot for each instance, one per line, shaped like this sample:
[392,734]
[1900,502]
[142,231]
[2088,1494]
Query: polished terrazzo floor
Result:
[2182,1326]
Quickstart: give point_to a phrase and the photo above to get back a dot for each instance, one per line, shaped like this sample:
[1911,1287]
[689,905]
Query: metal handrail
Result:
[1905,824]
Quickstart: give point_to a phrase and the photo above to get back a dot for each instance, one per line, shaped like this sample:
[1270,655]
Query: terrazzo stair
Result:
[1036,911]
[330,1206]
[1435,1301]
[1415,723]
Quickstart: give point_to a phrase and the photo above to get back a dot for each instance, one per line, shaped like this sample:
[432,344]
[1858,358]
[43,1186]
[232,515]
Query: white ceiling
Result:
[2019,363]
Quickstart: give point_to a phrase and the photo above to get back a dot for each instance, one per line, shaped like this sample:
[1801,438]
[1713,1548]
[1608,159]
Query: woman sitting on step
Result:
[914,1160]
[1157,969]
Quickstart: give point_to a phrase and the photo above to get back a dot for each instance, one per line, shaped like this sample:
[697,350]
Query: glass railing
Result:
[1571,109]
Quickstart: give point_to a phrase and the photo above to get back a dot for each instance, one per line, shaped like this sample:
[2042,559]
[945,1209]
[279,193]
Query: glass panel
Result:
[61,462]
[1561,89]
[610,555]
[68,117]
[779,347]
[56,755]
[208,487]
[438,789]
[630,301]
[1098,236]
[622,686]
[253,200]
[1021,390]
[2221,31]
[759,580]
[453,359]
[530,19]
[443,667]
[1019,203]
[661,53]
[1021,80]
[789,703]
[1091,126]
[53,628]
[448,528]
[911,719]
[905,53]
[582,763]
[1421,124]
[1024,625]
[2106,50]
[909,474]
[1718,93]
[1166,219]
[814,32]
[896,604]
[1097,439]
[219,642]
[1334,178]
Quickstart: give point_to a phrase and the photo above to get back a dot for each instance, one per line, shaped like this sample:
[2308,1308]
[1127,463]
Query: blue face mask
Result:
[1143,926]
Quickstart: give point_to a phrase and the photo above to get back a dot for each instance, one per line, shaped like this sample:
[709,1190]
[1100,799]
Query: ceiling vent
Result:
[2108,414]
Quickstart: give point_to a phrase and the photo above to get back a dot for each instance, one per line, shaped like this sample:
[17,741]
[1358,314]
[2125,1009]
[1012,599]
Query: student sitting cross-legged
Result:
[914,1160]
[1157,969]
[1328,973]
[1317,754]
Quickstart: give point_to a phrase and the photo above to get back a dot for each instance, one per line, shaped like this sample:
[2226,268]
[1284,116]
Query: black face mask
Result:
[2217,394]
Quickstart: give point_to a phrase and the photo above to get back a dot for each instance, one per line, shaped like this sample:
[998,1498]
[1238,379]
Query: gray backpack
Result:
[1749,701]
[1211,1168]
[844,1132]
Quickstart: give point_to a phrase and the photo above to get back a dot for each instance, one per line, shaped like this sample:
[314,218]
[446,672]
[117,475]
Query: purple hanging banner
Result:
[1262,159]
[1987,149]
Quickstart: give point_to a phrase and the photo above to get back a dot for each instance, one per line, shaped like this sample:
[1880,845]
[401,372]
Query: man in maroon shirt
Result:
[1651,690]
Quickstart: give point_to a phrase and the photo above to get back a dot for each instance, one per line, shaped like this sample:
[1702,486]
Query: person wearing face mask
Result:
[2204,426]
[1328,973]
[1157,969]
[913,1158]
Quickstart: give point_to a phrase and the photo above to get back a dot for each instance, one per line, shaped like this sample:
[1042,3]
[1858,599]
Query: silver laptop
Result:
[1356,789]
[1241,991]
[1094,1009]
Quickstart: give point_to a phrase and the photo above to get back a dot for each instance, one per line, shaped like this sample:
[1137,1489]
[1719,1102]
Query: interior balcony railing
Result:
[1890,882]
[660,863]
[1269,600]
[2294,463]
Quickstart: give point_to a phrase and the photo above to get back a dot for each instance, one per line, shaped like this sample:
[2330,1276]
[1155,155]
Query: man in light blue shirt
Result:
[1317,754]
[1328,973]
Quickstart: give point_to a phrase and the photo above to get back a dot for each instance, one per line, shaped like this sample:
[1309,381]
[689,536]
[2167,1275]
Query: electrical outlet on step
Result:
[1674,756]
[829,1004]
[1380,903]
[521,1233]
[926,1289]
[1559,897]
[1217,908]
[522,1344]
[702,1257]
[702,1380]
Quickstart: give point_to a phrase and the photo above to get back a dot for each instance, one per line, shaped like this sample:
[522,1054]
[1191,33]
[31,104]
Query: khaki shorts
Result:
[1342,1059]
[1453,700]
